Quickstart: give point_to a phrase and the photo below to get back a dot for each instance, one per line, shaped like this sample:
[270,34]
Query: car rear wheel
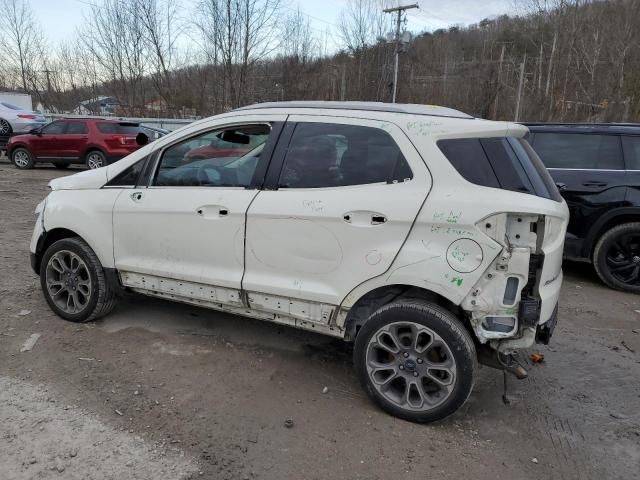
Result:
[74,282]
[416,360]
[616,257]
[5,128]
[22,158]
[95,159]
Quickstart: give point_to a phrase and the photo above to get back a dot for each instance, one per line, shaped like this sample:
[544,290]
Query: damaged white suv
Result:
[429,238]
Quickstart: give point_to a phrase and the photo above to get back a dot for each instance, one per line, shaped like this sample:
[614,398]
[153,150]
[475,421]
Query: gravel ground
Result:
[161,390]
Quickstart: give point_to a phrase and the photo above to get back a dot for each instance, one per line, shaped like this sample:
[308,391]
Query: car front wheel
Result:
[416,360]
[616,257]
[74,282]
[22,158]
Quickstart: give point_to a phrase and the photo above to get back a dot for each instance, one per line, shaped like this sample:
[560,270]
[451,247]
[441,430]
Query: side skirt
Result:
[281,310]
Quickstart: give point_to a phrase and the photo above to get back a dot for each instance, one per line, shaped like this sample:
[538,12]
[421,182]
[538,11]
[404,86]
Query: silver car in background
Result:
[15,119]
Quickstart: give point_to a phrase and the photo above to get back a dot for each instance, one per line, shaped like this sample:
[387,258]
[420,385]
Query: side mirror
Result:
[142,139]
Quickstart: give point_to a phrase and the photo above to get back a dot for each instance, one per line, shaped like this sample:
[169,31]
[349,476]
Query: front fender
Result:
[89,214]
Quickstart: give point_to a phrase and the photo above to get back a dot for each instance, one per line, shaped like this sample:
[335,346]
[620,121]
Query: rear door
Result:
[589,171]
[341,197]
[75,139]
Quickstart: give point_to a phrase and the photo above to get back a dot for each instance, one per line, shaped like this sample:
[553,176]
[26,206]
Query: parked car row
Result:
[89,141]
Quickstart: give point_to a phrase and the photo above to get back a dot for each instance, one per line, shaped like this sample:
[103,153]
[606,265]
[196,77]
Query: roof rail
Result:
[410,108]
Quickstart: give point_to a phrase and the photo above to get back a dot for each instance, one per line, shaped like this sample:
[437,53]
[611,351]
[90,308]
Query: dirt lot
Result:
[160,390]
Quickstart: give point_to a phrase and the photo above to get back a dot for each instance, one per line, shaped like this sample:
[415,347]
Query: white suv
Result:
[428,237]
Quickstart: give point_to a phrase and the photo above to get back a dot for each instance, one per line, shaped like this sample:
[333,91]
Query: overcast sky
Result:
[60,18]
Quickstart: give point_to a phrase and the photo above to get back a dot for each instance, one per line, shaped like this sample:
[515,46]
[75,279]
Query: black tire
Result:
[616,257]
[22,158]
[439,321]
[61,166]
[102,297]
[95,159]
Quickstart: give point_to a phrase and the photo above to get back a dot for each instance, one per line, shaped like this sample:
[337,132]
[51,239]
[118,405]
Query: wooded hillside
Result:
[577,60]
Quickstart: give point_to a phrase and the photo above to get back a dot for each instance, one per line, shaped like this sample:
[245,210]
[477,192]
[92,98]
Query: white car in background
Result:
[431,239]
[15,119]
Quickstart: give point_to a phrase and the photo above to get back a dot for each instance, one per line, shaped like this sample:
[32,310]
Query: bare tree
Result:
[362,23]
[21,43]
[161,34]
[241,32]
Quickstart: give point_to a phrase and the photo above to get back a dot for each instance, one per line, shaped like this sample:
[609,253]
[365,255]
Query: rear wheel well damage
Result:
[360,312]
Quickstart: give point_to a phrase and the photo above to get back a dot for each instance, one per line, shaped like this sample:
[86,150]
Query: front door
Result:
[49,143]
[345,195]
[184,233]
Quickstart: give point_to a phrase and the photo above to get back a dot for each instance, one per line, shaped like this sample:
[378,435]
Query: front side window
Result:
[76,128]
[579,150]
[221,158]
[54,128]
[324,155]
[128,177]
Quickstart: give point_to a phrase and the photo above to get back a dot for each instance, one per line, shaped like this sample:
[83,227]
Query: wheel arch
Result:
[370,301]
[48,238]
[606,222]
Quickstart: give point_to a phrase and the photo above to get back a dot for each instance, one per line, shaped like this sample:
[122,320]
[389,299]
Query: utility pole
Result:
[399,10]
[520,85]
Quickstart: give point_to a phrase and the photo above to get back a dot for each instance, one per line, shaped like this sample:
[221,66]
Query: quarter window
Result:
[220,158]
[579,151]
[128,177]
[324,155]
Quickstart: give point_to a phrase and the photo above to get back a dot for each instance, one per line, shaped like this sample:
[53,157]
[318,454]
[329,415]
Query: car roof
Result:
[610,128]
[409,108]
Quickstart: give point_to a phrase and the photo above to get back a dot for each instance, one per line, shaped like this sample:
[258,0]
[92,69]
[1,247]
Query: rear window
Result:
[118,128]
[501,162]
[579,150]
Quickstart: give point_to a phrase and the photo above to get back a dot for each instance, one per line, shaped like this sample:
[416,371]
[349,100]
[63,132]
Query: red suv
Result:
[92,141]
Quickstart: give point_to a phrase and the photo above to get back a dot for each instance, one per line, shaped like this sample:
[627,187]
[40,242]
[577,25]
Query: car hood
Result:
[87,180]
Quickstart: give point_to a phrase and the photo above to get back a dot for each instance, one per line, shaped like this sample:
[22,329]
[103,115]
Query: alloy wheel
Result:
[623,258]
[94,160]
[411,366]
[68,281]
[5,128]
[21,159]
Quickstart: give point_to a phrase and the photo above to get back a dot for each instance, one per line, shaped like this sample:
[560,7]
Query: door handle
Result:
[136,196]
[212,211]
[594,183]
[364,218]
[378,219]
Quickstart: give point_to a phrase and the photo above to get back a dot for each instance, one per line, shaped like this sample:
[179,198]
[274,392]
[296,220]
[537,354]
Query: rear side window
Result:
[322,155]
[579,150]
[501,162]
[76,128]
[631,152]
